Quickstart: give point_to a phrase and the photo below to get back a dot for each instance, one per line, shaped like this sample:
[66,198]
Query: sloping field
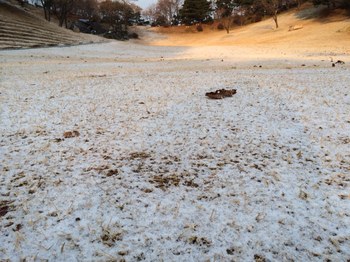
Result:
[316,32]
[112,152]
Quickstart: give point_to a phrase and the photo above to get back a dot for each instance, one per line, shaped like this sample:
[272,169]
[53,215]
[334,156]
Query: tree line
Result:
[229,12]
[116,14]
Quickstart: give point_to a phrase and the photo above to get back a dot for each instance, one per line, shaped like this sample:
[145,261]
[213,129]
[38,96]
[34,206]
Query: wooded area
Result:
[228,12]
[117,15]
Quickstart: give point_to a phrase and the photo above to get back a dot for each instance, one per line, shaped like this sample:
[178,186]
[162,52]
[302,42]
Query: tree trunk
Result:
[47,13]
[61,19]
[299,4]
[46,8]
[334,4]
[62,16]
[275,19]
[227,24]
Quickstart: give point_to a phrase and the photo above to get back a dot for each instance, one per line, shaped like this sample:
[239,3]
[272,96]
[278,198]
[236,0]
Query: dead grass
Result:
[317,32]
[5,207]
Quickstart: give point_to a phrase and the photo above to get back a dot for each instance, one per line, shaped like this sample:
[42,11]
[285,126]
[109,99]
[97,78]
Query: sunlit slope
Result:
[314,31]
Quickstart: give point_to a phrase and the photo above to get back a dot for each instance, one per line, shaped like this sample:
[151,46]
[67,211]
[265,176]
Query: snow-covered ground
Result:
[156,171]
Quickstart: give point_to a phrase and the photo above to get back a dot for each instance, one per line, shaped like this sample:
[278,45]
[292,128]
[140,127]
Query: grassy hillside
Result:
[316,30]
[22,28]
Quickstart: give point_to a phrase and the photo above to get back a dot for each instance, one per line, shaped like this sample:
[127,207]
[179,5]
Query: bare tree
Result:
[224,10]
[86,8]
[47,5]
[117,15]
[62,8]
[150,12]
[163,10]
[271,7]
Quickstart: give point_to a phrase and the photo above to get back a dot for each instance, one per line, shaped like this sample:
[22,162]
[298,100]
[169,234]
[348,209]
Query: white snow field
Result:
[112,152]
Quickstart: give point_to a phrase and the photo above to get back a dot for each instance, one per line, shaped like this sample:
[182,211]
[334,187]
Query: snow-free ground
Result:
[155,171]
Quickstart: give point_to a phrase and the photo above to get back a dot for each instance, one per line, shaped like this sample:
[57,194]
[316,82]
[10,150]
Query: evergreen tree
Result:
[195,11]
[225,7]
[329,3]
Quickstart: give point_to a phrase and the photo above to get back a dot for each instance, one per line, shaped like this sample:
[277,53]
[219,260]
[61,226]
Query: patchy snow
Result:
[156,171]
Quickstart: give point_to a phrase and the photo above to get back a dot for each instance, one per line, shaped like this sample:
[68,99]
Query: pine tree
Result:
[329,3]
[195,11]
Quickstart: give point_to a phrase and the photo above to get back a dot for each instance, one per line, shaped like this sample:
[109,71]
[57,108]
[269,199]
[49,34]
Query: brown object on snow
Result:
[70,134]
[221,93]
